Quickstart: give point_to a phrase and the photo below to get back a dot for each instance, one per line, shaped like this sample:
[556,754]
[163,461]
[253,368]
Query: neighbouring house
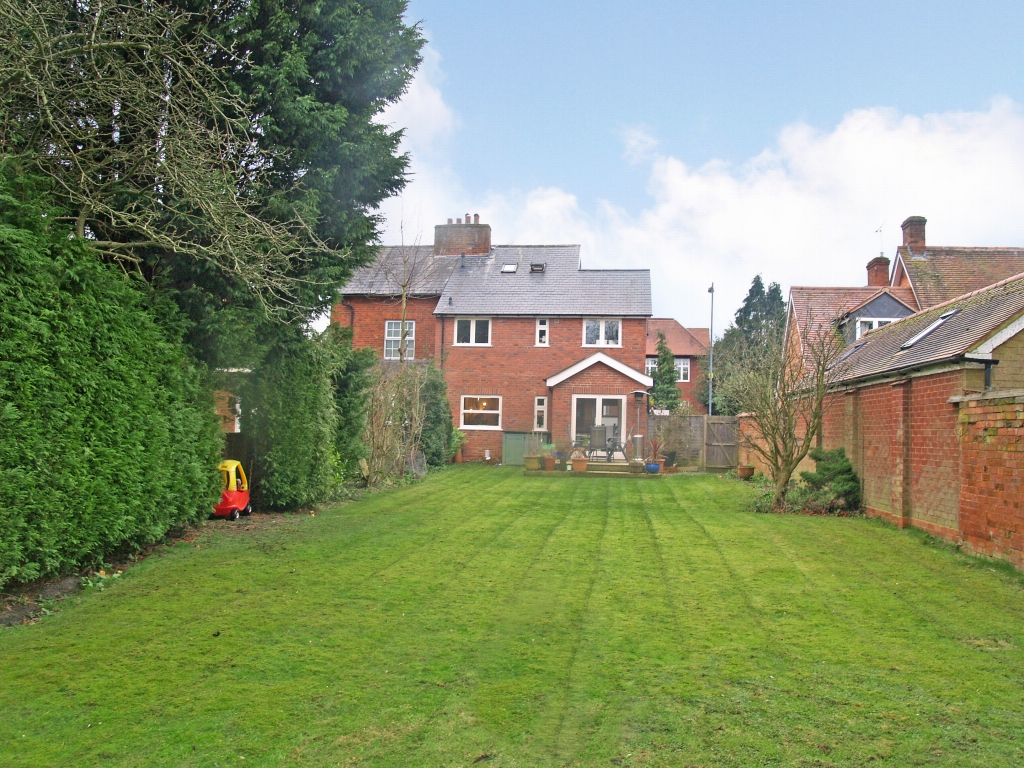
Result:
[688,345]
[529,341]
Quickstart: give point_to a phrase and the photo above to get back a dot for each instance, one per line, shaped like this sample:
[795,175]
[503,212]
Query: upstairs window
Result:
[472,332]
[651,366]
[870,323]
[393,339]
[542,333]
[602,333]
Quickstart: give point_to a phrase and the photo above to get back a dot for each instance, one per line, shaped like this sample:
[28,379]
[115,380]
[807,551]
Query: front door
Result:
[591,410]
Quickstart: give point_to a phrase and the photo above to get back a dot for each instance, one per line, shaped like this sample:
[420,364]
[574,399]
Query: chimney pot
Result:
[476,218]
[458,221]
[878,271]
[467,218]
[449,221]
[913,233]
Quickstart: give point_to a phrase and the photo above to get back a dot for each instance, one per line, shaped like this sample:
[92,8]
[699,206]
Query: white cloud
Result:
[804,211]
[638,145]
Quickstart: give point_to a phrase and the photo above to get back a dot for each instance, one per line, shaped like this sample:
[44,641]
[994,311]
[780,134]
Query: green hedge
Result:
[109,436]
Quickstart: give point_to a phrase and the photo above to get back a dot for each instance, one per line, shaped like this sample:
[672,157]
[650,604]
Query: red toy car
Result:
[234,499]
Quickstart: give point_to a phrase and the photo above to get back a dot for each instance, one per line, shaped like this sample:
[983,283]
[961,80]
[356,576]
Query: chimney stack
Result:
[878,271]
[913,233]
[468,238]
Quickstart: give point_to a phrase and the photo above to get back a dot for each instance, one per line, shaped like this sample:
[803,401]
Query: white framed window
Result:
[393,339]
[870,323]
[682,369]
[540,414]
[473,332]
[543,340]
[651,366]
[602,333]
[481,412]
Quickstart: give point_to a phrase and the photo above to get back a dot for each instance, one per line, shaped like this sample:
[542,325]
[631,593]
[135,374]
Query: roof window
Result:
[537,267]
[929,329]
[509,268]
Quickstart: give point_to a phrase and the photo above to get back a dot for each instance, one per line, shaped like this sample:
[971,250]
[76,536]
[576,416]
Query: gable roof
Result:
[561,290]
[383,276]
[978,316]
[594,359]
[941,274]
[684,342]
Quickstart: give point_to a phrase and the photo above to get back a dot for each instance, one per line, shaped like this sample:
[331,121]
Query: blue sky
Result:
[716,141]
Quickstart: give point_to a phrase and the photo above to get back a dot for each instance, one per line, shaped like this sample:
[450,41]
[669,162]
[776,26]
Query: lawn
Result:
[483,617]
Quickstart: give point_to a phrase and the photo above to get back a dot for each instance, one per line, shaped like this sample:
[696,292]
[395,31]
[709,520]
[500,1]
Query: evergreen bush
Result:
[436,439]
[834,485]
[109,434]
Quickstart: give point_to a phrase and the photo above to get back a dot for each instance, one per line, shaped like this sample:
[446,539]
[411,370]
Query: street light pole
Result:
[711,355]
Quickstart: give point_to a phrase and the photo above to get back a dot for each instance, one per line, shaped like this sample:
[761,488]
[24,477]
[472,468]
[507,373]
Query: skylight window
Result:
[509,268]
[537,267]
[929,329]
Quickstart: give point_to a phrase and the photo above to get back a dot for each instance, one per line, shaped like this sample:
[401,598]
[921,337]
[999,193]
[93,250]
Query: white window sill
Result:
[481,429]
[457,344]
[602,346]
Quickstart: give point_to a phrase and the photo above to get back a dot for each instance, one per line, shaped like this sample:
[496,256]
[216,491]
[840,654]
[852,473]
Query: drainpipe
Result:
[441,352]
[351,314]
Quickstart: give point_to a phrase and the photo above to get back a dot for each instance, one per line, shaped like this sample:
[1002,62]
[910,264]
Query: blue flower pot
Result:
[654,468]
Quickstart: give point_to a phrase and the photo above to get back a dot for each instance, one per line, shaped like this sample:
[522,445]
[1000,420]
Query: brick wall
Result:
[991,500]
[1009,374]
[371,313]
[688,390]
[516,369]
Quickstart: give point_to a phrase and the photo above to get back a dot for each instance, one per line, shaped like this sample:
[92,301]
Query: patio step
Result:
[590,473]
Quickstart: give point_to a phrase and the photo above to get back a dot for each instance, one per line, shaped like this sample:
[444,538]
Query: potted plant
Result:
[579,460]
[745,471]
[562,453]
[654,453]
[548,452]
[532,462]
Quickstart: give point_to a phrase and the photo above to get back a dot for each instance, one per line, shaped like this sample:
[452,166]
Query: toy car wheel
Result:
[248,510]
[234,514]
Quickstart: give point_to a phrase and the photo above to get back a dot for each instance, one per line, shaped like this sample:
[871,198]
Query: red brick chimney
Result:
[471,239]
[913,233]
[878,271]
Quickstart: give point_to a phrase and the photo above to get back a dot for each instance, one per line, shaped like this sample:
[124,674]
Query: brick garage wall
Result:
[991,498]
[372,312]
[934,454]
[515,369]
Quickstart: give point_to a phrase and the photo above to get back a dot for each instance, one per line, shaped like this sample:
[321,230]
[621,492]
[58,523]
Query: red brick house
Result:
[688,345]
[528,340]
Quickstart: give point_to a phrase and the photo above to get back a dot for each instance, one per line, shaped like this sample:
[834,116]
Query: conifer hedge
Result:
[109,437]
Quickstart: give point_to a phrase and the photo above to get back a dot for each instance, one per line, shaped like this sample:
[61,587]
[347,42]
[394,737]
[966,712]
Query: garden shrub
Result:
[289,413]
[351,376]
[109,434]
[833,486]
[436,439]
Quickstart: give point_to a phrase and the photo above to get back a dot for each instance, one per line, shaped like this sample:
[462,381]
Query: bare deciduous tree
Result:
[404,272]
[784,392]
[394,420]
[118,104]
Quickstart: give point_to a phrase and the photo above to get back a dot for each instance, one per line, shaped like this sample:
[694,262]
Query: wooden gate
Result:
[721,442]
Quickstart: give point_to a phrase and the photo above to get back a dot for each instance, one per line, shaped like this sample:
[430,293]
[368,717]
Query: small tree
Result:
[784,392]
[666,394]
[834,483]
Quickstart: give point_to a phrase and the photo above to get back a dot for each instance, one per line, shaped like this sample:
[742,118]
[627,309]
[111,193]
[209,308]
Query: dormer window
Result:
[508,269]
[866,324]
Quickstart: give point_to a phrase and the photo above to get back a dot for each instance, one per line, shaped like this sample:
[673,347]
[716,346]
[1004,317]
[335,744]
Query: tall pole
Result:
[711,358]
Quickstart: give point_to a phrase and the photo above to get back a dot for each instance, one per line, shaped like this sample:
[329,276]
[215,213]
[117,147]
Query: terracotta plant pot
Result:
[458,456]
[532,462]
[579,465]
[745,472]
[549,463]
[661,464]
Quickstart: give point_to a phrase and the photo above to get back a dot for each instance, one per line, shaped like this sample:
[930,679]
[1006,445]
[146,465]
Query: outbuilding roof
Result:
[941,274]
[945,332]
[547,281]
